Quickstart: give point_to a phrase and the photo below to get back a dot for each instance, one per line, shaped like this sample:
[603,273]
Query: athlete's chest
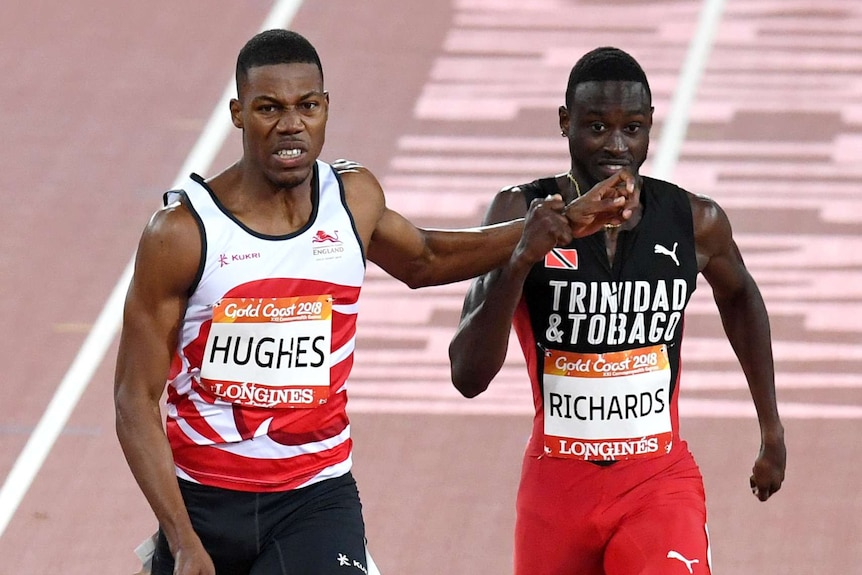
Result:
[579,299]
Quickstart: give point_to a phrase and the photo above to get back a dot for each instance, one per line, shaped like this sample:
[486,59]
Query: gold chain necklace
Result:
[574,183]
[578,191]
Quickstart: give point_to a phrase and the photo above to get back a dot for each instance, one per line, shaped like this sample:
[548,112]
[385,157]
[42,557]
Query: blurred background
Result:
[106,105]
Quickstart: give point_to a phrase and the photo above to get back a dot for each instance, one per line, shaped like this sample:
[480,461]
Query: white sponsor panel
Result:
[270,352]
[607,406]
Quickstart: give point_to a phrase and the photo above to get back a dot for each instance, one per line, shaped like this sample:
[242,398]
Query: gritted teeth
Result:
[291,153]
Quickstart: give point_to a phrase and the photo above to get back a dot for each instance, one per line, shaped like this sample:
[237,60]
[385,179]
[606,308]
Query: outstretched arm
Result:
[423,257]
[746,323]
[165,266]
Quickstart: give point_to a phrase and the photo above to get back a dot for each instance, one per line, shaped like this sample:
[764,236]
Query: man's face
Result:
[608,128]
[282,111]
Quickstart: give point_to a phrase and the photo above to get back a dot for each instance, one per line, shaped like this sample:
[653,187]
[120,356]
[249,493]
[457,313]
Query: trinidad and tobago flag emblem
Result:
[562,259]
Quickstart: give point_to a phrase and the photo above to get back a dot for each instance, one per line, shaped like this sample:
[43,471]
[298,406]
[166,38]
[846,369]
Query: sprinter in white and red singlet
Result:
[244,297]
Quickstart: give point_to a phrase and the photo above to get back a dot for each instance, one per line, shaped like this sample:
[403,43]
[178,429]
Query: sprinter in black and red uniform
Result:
[607,486]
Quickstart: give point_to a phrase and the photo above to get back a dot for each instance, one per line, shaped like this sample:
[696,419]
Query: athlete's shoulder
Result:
[170,248]
[711,225]
[343,166]
[356,178]
[193,185]
[525,193]
[363,195]
[172,224]
[533,188]
[512,202]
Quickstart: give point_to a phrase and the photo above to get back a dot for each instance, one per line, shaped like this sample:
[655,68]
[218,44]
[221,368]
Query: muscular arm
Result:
[746,323]
[422,257]
[416,256]
[166,263]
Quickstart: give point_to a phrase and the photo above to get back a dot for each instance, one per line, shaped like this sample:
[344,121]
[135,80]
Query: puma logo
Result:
[674,554]
[660,249]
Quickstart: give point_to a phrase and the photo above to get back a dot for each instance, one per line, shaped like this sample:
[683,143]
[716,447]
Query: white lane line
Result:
[676,123]
[104,331]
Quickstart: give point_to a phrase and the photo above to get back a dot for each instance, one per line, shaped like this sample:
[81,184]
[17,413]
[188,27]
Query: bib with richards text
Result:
[270,352]
[608,406]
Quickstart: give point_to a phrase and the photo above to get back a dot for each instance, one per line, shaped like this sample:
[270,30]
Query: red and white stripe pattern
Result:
[227,445]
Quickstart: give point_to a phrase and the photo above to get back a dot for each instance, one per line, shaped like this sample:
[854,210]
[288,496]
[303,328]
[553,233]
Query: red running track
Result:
[103,101]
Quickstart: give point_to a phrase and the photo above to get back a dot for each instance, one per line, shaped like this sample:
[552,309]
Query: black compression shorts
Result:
[315,530]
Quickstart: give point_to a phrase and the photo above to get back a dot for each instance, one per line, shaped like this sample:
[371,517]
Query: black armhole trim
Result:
[350,216]
[166,197]
[184,199]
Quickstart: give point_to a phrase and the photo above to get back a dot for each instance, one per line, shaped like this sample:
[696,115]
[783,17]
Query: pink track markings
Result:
[771,62]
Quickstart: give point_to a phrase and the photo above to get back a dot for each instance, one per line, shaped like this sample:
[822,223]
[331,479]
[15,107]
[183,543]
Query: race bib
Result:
[270,352]
[607,407]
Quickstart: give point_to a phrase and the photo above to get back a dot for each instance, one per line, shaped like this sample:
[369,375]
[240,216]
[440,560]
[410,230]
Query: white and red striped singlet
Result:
[256,392]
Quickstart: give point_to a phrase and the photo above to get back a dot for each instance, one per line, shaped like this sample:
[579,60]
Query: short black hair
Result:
[605,64]
[276,46]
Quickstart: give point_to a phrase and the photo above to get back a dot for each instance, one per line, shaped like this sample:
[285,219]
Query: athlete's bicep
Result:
[718,256]
[397,244]
[391,241]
